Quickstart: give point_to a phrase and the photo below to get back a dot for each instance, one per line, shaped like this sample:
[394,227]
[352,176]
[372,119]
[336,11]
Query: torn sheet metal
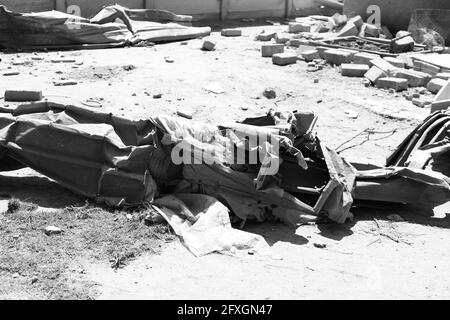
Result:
[427,146]
[98,155]
[310,179]
[119,161]
[417,172]
[204,226]
[403,186]
[54,29]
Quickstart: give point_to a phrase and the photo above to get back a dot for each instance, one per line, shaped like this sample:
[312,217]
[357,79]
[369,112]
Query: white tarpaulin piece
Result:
[204,226]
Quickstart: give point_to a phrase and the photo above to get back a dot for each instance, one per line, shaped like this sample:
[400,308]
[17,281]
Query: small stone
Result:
[320,245]
[184,114]
[208,45]
[245,108]
[157,96]
[34,280]
[270,93]
[52,230]
[129,216]
[169,60]
[316,80]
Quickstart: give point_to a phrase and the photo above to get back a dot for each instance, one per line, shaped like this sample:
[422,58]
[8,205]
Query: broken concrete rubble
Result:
[354,70]
[398,84]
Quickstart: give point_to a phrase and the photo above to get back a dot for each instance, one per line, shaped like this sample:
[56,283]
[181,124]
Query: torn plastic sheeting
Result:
[203,224]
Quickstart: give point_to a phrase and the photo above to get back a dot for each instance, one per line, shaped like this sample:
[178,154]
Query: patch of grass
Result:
[34,265]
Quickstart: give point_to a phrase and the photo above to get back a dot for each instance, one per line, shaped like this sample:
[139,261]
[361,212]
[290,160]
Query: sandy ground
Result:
[364,259]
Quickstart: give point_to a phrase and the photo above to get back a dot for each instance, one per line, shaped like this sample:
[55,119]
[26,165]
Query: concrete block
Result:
[268,50]
[364,58]
[321,51]
[384,65]
[284,59]
[404,44]
[398,84]
[23,95]
[442,99]
[415,78]
[310,55]
[265,36]
[371,30]
[443,75]
[395,62]
[348,30]
[337,57]
[426,67]
[354,70]
[231,32]
[281,39]
[435,85]
[357,21]
[374,74]
[208,45]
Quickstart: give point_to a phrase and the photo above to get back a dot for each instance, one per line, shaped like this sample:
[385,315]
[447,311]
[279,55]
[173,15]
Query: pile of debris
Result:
[113,26]
[193,174]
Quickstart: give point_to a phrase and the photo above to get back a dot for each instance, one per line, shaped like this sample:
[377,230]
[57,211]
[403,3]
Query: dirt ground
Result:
[371,257]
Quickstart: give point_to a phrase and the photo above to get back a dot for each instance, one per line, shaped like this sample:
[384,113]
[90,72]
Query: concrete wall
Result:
[28,5]
[199,8]
[394,13]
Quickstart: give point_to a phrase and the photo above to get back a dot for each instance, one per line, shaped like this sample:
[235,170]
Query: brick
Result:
[357,21]
[265,36]
[415,78]
[371,30]
[337,57]
[365,58]
[354,70]
[374,74]
[398,84]
[268,50]
[443,75]
[23,95]
[297,27]
[348,30]
[435,85]
[283,59]
[231,32]
[208,45]
[395,62]
[310,55]
[404,44]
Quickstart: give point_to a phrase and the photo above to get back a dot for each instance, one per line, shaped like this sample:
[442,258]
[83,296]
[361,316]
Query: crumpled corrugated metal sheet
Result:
[119,161]
[60,30]
[417,172]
